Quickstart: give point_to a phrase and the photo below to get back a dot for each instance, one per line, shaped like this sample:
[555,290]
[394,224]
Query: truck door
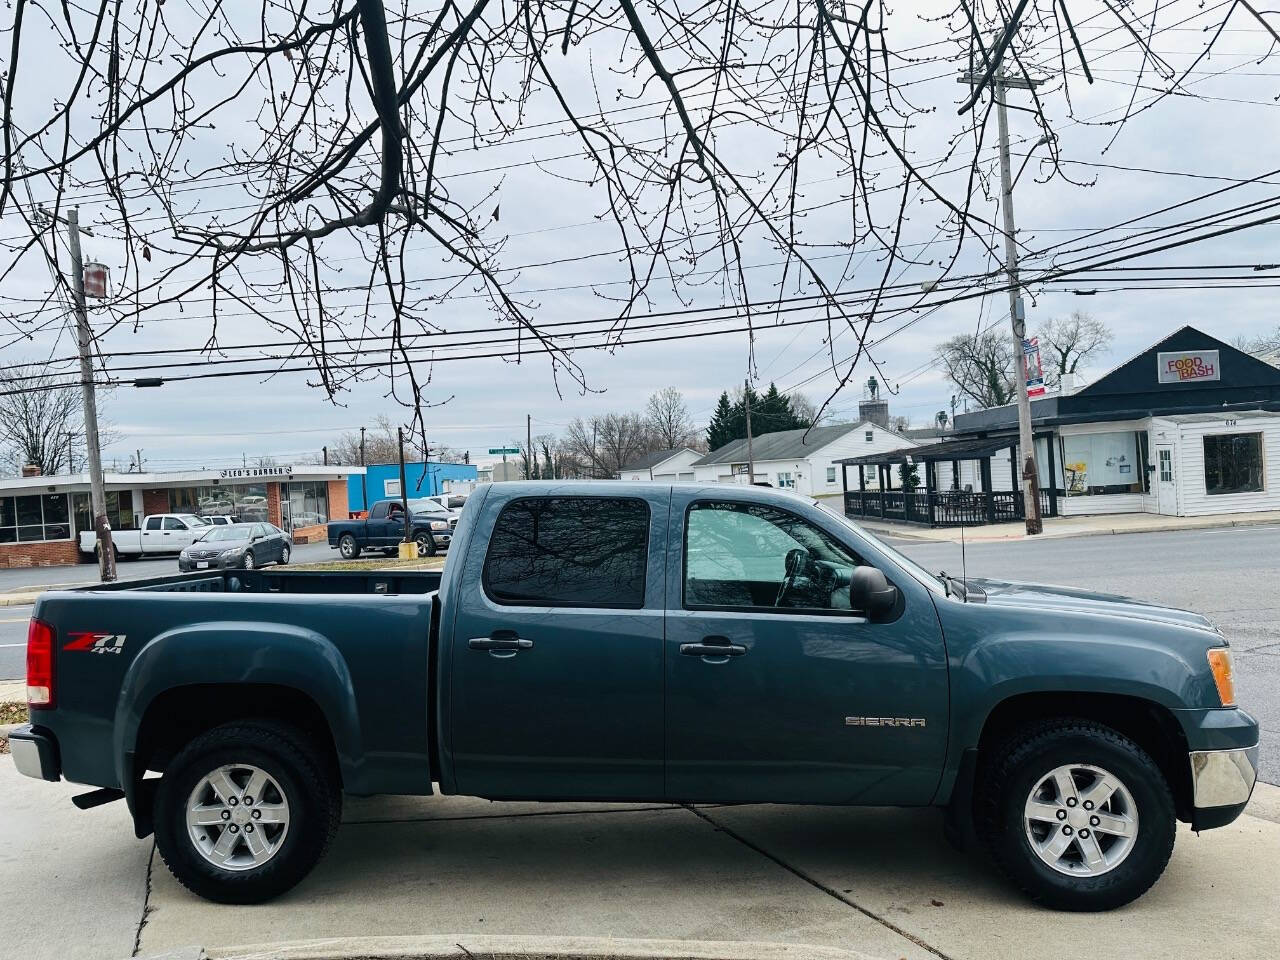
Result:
[556,668]
[153,535]
[777,691]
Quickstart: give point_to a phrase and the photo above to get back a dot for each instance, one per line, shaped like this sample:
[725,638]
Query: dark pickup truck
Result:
[430,529]
[616,641]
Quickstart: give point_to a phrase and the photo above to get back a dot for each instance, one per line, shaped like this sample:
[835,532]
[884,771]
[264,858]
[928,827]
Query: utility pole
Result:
[404,486]
[324,453]
[751,460]
[84,339]
[528,444]
[1000,84]
[139,453]
[364,477]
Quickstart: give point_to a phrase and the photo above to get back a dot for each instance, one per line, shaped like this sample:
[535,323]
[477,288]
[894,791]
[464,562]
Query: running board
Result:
[96,798]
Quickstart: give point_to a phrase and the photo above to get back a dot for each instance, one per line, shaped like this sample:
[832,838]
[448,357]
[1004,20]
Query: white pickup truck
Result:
[160,533]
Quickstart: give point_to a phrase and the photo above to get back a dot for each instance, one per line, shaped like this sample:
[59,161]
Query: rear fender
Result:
[232,652]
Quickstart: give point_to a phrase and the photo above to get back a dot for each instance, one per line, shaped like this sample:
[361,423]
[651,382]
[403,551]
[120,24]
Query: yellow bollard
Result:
[408,551]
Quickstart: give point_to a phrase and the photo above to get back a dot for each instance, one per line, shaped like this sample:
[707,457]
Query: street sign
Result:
[1033,367]
[502,451]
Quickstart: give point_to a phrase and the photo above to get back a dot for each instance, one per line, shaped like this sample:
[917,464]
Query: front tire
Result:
[248,563]
[284,555]
[347,547]
[425,543]
[226,844]
[1076,814]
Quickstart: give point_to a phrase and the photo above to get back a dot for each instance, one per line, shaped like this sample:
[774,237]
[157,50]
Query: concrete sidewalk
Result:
[1055,527]
[877,882]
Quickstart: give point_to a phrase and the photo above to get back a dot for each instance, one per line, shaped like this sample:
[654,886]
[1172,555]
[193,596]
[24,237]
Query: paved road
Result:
[1231,575]
[13,620]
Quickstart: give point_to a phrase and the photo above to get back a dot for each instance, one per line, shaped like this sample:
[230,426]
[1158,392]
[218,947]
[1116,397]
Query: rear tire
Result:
[299,782]
[1087,789]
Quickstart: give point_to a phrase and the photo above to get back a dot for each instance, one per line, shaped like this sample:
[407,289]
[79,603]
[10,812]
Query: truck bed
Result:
[276,580]
[355,644]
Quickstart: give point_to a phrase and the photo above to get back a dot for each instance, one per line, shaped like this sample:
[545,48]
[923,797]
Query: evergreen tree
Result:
[720,429]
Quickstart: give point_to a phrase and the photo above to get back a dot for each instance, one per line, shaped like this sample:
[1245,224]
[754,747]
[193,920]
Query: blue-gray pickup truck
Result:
[628,642]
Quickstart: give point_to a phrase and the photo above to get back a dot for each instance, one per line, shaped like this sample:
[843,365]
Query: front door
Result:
[1166,482]
[556,659]
[810,701]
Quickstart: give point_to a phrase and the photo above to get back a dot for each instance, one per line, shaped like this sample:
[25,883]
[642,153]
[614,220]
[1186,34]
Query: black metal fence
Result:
[949,508]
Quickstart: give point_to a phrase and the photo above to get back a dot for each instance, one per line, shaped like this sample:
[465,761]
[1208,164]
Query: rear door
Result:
[778,691]
[556,672]
[154,536]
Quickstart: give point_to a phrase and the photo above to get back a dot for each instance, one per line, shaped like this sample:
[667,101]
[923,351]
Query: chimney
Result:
[874,410]
[30,470]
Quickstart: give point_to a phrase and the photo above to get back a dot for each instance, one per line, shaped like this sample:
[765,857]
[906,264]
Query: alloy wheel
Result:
[237,817]
[1081,820]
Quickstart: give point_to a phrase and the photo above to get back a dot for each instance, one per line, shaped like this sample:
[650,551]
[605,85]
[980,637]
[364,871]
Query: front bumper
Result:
[1221,783]
[215,563]
[35,754]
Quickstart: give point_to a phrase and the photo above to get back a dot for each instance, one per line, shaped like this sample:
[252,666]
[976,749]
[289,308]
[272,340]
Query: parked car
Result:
[304,518]
[641,642]
[239,545]
[218,519]
[160,533]
[429,528]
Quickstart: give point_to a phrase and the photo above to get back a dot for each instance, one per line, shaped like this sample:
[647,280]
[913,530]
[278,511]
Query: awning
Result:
[971,449]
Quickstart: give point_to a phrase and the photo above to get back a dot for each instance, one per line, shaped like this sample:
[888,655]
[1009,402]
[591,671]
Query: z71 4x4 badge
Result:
[96,642]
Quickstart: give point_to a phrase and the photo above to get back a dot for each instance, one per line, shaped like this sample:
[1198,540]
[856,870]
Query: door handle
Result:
[713,647]
[500,643]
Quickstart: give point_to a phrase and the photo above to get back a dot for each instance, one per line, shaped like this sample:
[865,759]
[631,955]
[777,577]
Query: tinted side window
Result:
[569,551]
[173,523]
[153,523]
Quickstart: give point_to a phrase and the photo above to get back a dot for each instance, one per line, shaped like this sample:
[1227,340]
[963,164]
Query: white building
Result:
[665,466]
[1188,427]
[800,460]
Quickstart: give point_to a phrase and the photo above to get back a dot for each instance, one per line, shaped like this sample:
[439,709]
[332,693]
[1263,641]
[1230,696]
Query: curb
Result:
[19,599]
[893,531]
[513,948]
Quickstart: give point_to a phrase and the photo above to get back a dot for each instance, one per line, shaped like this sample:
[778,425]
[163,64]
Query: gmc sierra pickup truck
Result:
[619,641]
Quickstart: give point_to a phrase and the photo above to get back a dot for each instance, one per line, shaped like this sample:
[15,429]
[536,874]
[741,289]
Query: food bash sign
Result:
[1180,367]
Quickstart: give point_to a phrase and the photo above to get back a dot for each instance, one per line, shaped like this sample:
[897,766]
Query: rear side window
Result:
[153,523]
[569,552]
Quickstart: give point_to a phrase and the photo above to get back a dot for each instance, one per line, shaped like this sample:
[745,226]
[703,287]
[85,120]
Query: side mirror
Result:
[869,591]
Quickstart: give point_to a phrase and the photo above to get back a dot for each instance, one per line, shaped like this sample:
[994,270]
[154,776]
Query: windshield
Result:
[930,580]
[231,532]
[425,506]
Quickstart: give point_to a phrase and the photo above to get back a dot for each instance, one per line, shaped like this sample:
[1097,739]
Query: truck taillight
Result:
[39,665]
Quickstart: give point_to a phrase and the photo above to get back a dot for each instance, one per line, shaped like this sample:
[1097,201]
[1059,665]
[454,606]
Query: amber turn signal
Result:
[1220,664]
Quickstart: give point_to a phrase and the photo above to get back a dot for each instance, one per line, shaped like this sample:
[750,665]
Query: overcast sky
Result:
[1227,130]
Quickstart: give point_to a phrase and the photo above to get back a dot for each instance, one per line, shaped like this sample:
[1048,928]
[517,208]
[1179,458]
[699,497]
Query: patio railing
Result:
[949,508]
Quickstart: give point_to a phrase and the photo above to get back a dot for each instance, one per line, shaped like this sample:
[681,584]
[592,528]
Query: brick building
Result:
[41,517]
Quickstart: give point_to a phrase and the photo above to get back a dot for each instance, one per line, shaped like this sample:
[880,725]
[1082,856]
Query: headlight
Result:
[233,552]
[1220,664]
[439,525]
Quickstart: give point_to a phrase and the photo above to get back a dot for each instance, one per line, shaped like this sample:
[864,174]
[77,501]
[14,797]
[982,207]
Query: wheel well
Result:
[1150,725]
[178,716]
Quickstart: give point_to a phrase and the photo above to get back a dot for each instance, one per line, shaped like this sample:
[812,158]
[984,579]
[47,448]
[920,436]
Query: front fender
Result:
[1006,665]
[246,653]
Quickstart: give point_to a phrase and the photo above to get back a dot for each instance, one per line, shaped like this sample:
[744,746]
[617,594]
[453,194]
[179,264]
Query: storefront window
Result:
[1233,463]
[1096,464]
[247,503]
[308,503]
[119,510]
[34,518]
